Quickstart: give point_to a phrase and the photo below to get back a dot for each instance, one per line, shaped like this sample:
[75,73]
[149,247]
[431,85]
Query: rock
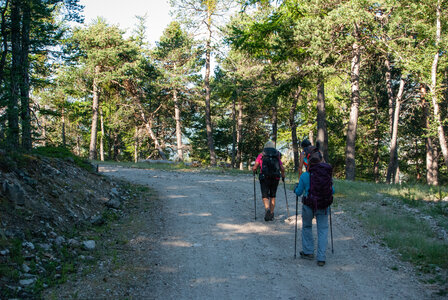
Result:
[26,282]
[73,243]
[89,245]
[25,268]
[15,193]
[28,245]
[114,192]
[46,247]
[97,220]
[113,203]
[59,240]
[4,252]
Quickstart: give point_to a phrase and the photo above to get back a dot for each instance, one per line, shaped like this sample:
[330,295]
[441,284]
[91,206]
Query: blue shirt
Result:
[304,185]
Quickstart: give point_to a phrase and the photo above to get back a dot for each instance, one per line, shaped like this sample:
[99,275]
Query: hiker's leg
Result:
[266,203]
[322,233]
[273,193]
[264,193]
[272,204]
[307,230]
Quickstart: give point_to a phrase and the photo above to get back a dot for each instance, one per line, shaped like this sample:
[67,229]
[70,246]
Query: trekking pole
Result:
[295,240]
[255,199]
[287,207]
[331,233]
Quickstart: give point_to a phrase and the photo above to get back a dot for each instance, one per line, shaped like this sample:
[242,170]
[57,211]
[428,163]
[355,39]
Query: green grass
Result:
[396,227]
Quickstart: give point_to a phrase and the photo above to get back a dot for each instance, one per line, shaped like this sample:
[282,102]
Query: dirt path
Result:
[207,245]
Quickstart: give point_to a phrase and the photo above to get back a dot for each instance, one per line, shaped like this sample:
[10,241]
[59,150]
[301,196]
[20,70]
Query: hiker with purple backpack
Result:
[316,186]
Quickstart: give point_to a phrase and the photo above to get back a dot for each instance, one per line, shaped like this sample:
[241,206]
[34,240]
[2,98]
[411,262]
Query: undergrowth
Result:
[393,213]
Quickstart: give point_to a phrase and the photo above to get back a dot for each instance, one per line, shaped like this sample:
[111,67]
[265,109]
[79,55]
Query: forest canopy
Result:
[366,80]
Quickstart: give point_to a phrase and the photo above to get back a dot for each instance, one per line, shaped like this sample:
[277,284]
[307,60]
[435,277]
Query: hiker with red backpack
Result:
[316,186]
[303,160]
[271,169]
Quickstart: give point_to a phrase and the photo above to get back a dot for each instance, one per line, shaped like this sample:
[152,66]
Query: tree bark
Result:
[64,143]
[274,122]
[376,156]
[390,95]
[239,133]
[4,34]
[432,171]
[13,103]
[178,126]
[136,145]
[350,165]
[234,129]
[393,155]
[322,134]
[208,120]
[293,126]
[95,107]
[435,103]
[102,136]
[25,81]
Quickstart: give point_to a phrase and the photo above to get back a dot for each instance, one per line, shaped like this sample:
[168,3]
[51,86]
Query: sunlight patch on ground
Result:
[194,214]
[210,280]
[345,238]
[177,244]
[244,228]
[176,196]
[247,228]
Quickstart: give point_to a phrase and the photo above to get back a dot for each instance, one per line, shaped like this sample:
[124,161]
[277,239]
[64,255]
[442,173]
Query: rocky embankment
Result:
[46,207]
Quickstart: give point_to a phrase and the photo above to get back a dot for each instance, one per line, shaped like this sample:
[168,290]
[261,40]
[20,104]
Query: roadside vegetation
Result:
[410,219]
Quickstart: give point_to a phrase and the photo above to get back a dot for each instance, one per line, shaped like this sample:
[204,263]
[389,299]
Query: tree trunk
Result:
[274,122]
[322,134]
[4,34]
[432,171]
[102,136]
[376,155]
[64,143]
[180,154]
[25,82]
[116,145]
[293,126]
[234,129]
[350,165]
[136,145]
[239,133]
[13,103]
[95,107]
[437,116]
[393,155]
[390,95]
[310,123]
[208,120]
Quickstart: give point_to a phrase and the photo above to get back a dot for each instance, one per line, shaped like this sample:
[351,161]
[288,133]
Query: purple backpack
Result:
[320,194]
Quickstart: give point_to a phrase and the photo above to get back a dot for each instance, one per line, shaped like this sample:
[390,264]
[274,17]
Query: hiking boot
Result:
[306,256]
[321,263]
[271,217]
[267,215]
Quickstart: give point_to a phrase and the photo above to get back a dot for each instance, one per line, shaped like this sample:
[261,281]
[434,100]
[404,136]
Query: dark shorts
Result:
[268,187]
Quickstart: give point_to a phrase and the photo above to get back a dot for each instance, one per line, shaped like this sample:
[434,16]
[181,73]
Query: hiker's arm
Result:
[282,170]
[255,167]
[300,187]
